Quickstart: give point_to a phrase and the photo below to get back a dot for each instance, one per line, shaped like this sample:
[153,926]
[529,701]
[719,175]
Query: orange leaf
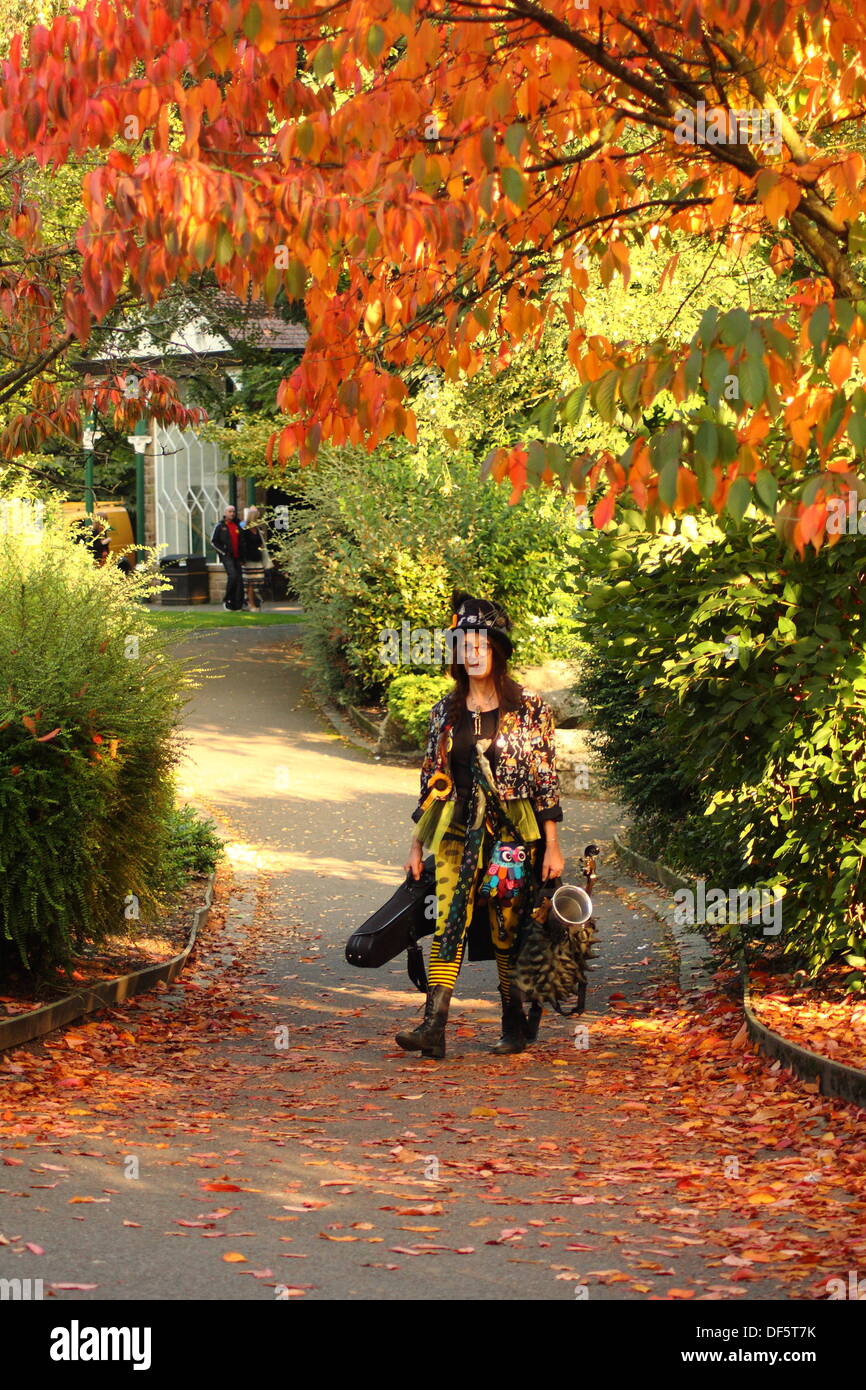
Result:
[233,1258]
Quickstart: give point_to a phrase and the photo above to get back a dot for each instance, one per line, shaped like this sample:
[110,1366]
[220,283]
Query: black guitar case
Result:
[408,915]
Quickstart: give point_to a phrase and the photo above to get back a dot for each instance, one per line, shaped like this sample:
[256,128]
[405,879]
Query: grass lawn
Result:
[177,621]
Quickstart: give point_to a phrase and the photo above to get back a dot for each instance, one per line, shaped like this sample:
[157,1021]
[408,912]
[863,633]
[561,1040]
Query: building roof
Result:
[218,324]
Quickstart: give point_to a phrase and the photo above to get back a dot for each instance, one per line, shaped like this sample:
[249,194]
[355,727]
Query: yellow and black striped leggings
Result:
[440,972]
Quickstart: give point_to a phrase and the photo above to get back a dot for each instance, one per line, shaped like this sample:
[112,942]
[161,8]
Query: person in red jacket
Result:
[226,541]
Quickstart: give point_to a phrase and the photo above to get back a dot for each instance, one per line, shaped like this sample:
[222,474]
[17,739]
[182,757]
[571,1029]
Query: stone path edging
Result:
[24,1028]
[834,1078]
[693,949]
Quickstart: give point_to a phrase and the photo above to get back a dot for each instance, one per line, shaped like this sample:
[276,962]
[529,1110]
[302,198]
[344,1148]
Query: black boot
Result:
[513,1026]
[429,1037]
[533,1020]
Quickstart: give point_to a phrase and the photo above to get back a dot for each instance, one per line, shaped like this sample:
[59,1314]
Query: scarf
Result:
[485,815]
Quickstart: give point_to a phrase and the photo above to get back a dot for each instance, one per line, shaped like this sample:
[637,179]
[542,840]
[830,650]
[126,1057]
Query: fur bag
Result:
[553,961]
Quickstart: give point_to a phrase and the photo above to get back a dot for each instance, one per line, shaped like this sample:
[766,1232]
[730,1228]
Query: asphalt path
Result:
[261,1109]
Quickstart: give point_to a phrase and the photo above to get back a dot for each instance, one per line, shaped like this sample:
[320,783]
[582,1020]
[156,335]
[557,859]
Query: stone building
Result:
[188,481]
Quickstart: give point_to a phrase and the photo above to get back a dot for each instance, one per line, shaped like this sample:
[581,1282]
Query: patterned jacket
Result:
[526,761]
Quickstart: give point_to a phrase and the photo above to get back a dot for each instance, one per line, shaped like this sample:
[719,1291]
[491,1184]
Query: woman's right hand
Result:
[415,863]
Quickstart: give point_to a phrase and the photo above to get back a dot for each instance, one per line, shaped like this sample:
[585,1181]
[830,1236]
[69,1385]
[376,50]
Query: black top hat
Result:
[482,615]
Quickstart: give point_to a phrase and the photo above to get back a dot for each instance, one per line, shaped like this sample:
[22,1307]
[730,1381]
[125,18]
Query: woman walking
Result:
[253,558]
[488,811]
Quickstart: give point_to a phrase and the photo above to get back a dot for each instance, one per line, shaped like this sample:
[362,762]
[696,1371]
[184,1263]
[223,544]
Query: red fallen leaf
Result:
[465,1250]
[509,1233]
[34,1249]
[83,1287]
[422,1209]
[192,1223]
[137,1224]
[616,996]
[581,1247]
[680,1293]
[13,1162]
[73,1200]
[220,1186]
[403,1250]
[324,1236]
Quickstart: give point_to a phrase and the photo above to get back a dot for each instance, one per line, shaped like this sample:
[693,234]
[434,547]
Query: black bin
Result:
[189,579]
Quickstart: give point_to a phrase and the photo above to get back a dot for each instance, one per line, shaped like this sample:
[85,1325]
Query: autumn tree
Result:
[435,179]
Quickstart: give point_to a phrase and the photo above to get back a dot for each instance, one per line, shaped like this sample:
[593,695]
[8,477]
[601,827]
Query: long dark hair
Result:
[508,691]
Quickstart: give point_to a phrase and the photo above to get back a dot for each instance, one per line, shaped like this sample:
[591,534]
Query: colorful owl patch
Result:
[505,874]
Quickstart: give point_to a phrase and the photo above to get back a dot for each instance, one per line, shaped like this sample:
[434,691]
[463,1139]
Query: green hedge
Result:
[728,694]
[387,536]
[410,700]
[89,708]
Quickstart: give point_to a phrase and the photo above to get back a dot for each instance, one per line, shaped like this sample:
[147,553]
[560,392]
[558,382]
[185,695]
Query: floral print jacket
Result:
[526,762]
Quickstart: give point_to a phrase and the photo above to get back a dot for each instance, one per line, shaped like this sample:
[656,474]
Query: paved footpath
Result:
[253,1131]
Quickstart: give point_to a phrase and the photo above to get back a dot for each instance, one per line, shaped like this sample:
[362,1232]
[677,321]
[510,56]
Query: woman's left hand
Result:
[552,864]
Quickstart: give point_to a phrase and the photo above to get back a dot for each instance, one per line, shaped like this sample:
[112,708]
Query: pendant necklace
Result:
[476,720]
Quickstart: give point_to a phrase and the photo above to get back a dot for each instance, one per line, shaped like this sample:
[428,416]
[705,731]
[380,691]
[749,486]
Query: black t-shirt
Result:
[464,740]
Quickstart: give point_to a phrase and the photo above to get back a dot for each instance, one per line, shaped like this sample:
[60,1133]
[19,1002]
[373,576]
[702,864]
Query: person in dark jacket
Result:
[226,541]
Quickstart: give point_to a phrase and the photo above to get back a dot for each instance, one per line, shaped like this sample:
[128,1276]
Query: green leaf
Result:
[819,323]
[692,372]
[375,40]
[572,406]
[734,327]
[753,380]
[323,63]
[739,497]
[488,147]
[707,441]
[514,138]
[727,444]
[767,488]
[252,22]
[604,395]
[707,328]
[514,187]
[857,432]
[304,137]
[668,481]
[706,478]
[715,371]
[536,461]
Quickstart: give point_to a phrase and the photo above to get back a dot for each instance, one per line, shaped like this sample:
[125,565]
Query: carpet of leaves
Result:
[668,1137]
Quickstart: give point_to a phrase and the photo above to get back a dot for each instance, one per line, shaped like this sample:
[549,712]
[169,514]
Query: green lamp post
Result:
[91,434]
[139,441]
